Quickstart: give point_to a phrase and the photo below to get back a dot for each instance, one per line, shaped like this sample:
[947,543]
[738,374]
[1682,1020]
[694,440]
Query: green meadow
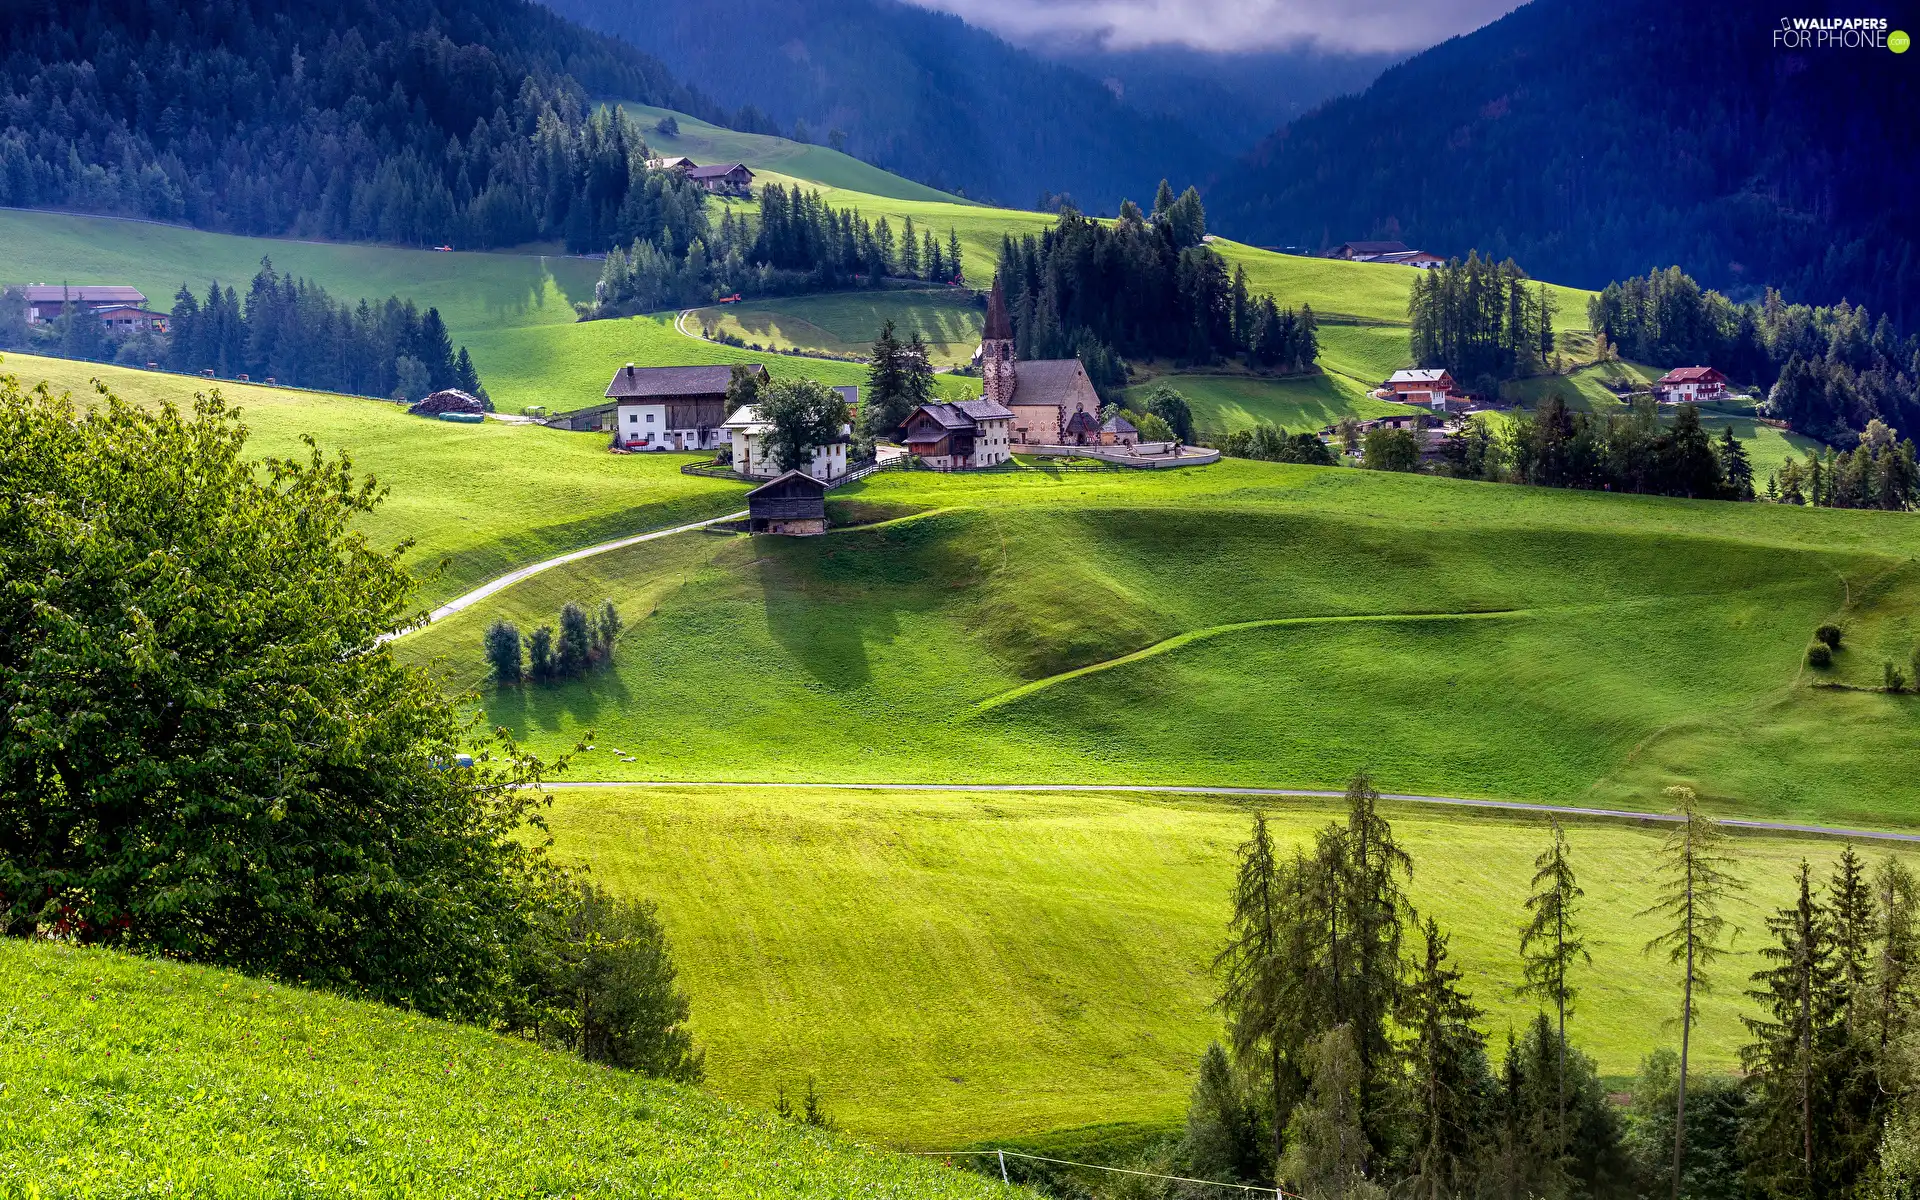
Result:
[472,291]
[123,1076]
[1301,403]
[982,968]
[476,500]
[947,320]
[1251,623]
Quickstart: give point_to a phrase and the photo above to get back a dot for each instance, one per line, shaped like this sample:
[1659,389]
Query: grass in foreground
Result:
[487,498]
[975,967]
[122,1076]
[1252,623]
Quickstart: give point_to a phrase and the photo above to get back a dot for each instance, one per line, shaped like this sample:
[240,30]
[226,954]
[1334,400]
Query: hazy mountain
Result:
[1231,101]
[917,92]
[1593,142]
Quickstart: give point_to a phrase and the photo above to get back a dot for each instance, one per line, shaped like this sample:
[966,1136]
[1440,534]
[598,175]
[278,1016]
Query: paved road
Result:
[512,577]
[1623,814]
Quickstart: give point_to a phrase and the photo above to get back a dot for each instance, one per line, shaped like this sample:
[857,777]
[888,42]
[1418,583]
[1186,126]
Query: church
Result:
[1045,395]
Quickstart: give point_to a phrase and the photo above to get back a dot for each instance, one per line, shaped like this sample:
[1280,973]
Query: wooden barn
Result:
[794,504]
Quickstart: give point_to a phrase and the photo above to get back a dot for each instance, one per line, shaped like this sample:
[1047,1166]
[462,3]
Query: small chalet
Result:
[724,179]
[660,408]
[46,302]
[1690,385]
[1386,252]
[127,318]
[794,504]
[1429,387]
[954,437]
[1118,431]
[747,434]
[679,163]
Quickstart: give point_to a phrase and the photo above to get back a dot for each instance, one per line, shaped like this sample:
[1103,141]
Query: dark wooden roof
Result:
[634,383]
[84,293]
[1373,247]
[793,483]
[718,171]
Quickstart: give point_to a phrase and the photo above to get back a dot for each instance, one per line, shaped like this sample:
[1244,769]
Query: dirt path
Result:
[1570,810]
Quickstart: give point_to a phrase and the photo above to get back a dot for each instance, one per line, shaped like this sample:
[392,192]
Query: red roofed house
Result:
[1428,386]
[1690,385]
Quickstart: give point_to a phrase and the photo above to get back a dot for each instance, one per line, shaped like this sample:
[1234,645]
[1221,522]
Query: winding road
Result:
[512,577]
[1621,814]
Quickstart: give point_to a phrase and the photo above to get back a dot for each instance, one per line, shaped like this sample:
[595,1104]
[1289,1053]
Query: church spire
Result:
[999,328]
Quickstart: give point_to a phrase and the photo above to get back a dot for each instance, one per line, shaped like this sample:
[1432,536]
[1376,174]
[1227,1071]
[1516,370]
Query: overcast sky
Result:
[1355,25]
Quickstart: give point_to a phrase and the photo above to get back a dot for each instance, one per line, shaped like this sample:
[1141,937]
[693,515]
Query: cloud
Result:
[1361,26]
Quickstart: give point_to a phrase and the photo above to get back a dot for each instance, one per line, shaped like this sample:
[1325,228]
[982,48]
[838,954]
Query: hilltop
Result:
[153,1075]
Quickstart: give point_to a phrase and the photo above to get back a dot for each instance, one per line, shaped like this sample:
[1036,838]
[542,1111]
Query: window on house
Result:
[649,418]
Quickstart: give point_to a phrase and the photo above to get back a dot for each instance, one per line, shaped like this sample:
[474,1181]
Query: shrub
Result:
[503,651]
[1893,679]
[210,753]
[1828,635]
[1818,655]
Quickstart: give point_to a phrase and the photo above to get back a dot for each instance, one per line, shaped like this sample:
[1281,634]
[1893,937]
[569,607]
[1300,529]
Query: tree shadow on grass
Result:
[824,628]
[547,708]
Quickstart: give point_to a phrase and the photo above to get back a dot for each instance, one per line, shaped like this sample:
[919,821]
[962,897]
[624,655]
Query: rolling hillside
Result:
[1053,950]
[148,1076]
[1253,624]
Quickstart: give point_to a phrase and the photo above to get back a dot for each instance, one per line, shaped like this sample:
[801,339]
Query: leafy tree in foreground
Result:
[210,754]
[804,416]
[1696,882]
[1550,944]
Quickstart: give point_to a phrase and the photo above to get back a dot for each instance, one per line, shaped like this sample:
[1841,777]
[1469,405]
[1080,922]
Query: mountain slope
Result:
[148,1075]
[1596,142]
[920,93]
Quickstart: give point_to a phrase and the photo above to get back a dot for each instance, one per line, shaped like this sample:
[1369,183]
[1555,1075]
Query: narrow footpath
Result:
[512,577]
[1571,810]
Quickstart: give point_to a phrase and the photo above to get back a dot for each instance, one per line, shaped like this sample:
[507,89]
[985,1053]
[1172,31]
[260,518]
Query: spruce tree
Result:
[916,373]
[503,651]
[1371,899]
[1697,881]
[1897,953]
[1253,993]
[1448,1062]
[955,267]
[884,406]
[1550,945]
[1787,1055]
[576,640]
[1850,902]
[909,250]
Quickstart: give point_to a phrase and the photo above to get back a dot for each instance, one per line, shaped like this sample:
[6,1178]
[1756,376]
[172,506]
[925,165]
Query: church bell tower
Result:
[997,370]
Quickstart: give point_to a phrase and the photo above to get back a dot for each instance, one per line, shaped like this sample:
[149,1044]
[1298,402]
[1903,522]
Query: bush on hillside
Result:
[1818,655]
[211,753]
[1828,635]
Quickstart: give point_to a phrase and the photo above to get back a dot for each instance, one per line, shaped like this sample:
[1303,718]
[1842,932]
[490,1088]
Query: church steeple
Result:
[997,370]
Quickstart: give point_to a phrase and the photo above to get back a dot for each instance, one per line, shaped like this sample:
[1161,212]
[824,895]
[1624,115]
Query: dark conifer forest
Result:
[1592,142]
[414,121]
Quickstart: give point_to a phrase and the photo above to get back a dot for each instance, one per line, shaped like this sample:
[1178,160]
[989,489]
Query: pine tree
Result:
[909,250]
[576,640]
[540,654]
[1698,881]
[1786,1056]
[930,255]
[1328,1150]
[1735,467]
[955,265]
[1449,1070]
[1550,945]
[1372,896]
[503,651]
[885,406]
[1898,950]
[1253,993]
[1855,929]
[1223,1130]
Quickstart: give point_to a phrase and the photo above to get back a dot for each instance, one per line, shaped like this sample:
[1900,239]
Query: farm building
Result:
[1118,431]
[1690,385]
[127,318]
[725,179]
[1042,394]
[678,163]
[46,302]
[953,437]
[1386,252]
[747,433]
[660,408]
[1429,387]
[794,504]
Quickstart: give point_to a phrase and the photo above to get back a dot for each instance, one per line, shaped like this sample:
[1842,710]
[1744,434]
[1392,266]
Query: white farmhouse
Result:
[747,433]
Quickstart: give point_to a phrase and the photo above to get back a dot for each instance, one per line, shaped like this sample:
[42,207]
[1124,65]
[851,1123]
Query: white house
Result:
[670,408]
[747,432]
[1690,385]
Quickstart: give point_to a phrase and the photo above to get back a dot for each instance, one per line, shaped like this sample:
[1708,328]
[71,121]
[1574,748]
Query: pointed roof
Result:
[998,327]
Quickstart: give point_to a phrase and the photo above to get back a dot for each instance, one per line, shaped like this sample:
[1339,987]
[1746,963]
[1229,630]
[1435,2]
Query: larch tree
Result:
[1696,881]
[1253,991]
[1551,945]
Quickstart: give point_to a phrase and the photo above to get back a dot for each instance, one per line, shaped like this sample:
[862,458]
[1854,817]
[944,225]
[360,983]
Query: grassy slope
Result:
[1053,950]
[1224,403]
[1634,642]
[949,321]
[488,497]
[150,1077]
[472,291]
[708,144]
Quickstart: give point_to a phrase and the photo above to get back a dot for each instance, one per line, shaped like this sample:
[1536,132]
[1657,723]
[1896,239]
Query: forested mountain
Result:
[919,93]
[400,120]
[1595,142]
